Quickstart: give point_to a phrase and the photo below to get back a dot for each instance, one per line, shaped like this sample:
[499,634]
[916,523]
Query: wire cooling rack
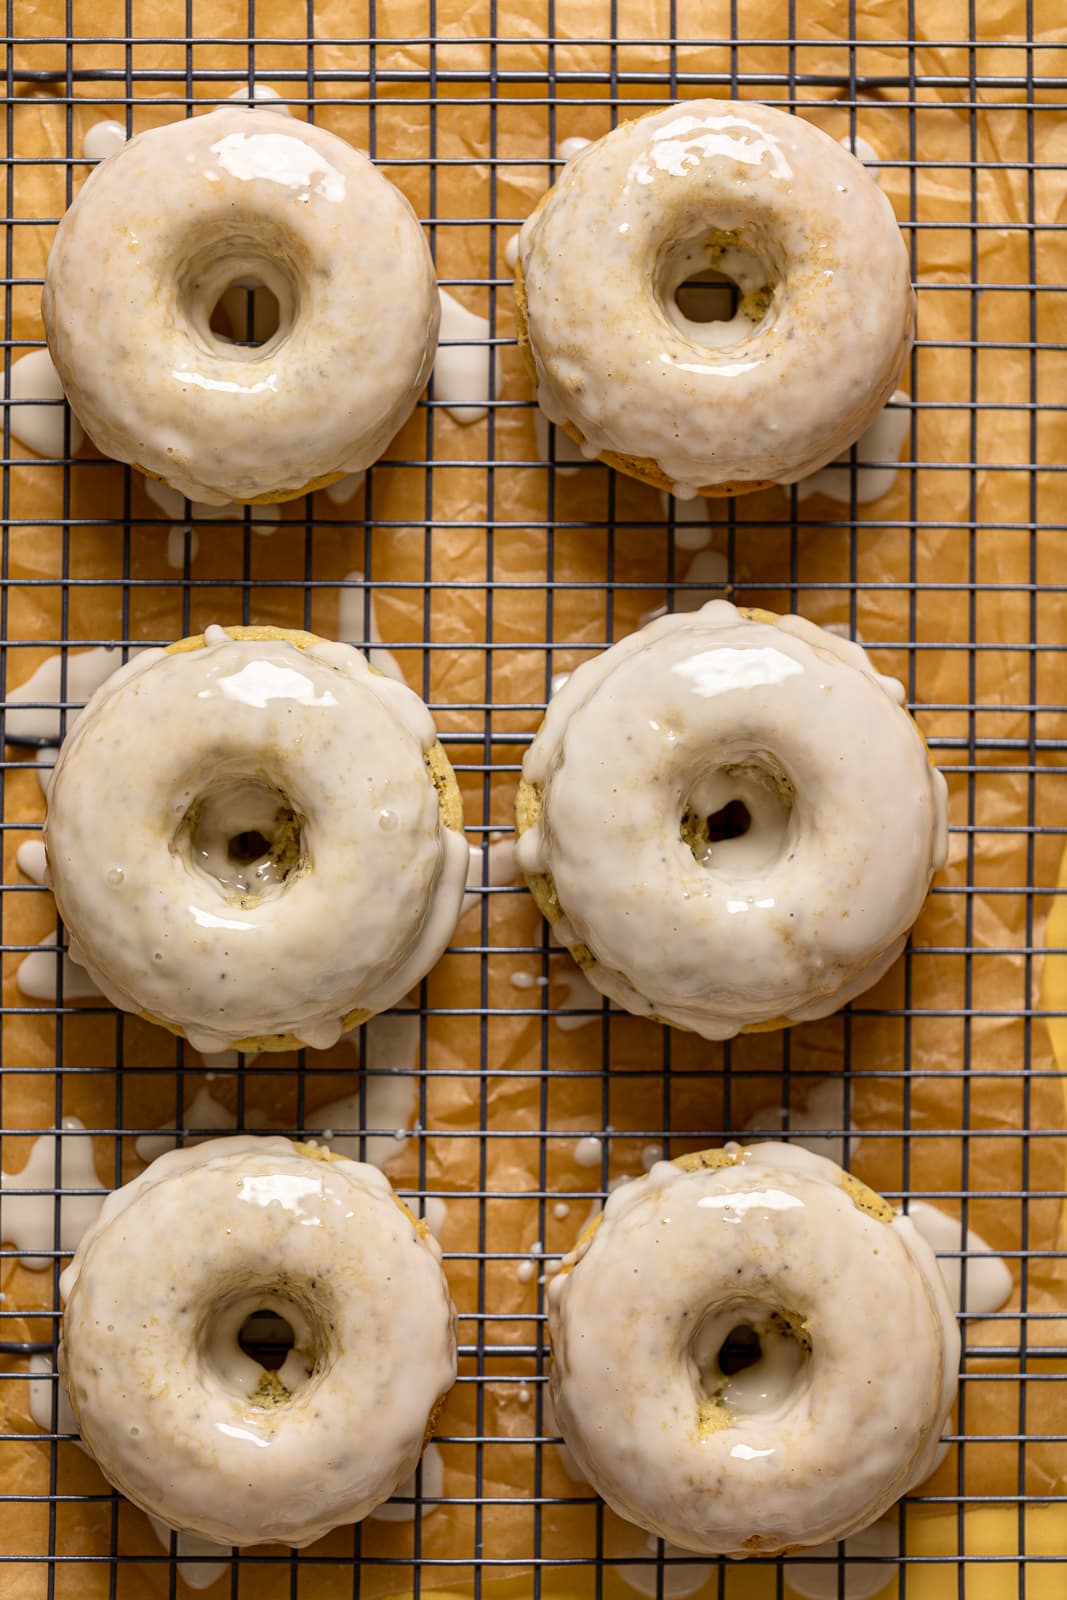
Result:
[946,1067]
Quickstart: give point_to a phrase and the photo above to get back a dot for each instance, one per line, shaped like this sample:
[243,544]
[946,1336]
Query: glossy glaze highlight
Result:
[192,1429]
[247,888]
[694,714]
[856,1363]
[818,338]
[157,237]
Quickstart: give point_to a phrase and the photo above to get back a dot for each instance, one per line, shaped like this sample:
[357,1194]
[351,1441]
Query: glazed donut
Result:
[192,1429]
[284,862]
[837,1305]
[730,820]
[826,314]
[155,238]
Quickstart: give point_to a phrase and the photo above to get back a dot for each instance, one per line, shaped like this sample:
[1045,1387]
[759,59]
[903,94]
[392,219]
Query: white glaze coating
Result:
[32,861]
[156,236]
[167,923]
[38,974]
[103,139]
[800,1447]
[492,866]
[824,1577]
[171,1408]
[782,387]
[356,615]
[202,1119]
[63,1162]
[47,1389]
[812,1110]
[465,360]
[848,819]
[35,410]
[66,679]
[407,1500]
[988,1278]
[874,473]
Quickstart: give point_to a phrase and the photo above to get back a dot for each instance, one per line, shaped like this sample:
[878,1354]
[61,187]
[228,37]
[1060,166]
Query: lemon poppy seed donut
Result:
[192,1429]
[287,860]
[849,1346]
[158,235]
[731,820]
[814,350]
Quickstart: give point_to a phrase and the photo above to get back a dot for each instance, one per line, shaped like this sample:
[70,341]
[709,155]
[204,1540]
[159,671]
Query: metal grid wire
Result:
[486,727]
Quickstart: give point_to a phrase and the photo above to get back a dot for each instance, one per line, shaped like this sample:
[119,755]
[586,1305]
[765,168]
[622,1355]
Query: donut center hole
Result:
[715,289]
[263,1344]
[708,296]
[238,293]
[740,1349]
[738,819]
[267,1337]
[749,1359]
[251,846]
[246,836]
[246,313]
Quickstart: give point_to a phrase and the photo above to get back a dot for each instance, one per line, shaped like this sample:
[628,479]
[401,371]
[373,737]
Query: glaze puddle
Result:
[37,974]
[102,140]
[260,96]
[692,530]
[173,505]
[433,1483]
[182,542]
[29,723]
[709,569]
[204,1114]
[197,1573]
[679,1581]
[988,1278]
[355,609]
[37,409]
[390,1095]
[588,1151]
[579,1000]
[865,1572]
[568,455]
[882,444]
[345,488]
[500,869]
[44,1385]
[465,362]
[32,861]
[27,1221]
[822,1106]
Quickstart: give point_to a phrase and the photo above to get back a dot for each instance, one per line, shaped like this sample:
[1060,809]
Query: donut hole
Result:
[741,1348]
[264,1344]
[250,846]
[708,296]
[749,1358]
[246,313]
[245,835]
[738,819]
[731,821]
[267,1337]
[715,289]
[238,297]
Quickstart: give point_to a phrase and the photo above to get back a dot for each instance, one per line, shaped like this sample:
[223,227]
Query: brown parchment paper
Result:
[956,579]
